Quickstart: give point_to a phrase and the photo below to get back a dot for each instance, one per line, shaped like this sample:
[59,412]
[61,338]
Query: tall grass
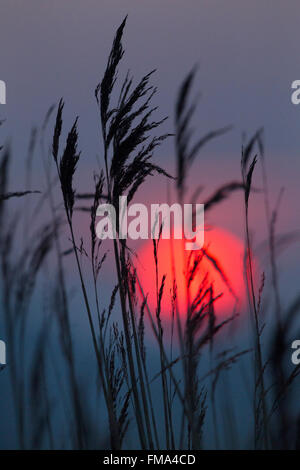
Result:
[177,416]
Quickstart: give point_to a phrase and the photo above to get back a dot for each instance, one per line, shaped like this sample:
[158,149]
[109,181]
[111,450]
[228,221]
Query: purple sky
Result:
[247,52]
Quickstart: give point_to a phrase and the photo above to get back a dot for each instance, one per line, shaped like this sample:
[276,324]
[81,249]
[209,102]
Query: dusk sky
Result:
[247,54]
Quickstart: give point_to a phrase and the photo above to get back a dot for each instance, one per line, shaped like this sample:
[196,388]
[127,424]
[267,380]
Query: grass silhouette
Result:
[130,400]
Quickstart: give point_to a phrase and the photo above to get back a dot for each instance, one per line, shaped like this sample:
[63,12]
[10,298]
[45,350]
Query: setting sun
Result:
[221,266]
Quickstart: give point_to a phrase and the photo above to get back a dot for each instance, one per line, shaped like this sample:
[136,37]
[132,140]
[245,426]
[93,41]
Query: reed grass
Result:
[176,417]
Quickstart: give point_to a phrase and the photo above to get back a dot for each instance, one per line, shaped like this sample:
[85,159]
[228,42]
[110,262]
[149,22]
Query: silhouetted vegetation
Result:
[126,386]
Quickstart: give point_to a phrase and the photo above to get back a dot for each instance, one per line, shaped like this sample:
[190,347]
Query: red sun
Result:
[222,268]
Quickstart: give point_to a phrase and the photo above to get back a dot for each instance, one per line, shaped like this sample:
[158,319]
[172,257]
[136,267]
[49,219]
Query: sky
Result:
[246,53]
[247,56]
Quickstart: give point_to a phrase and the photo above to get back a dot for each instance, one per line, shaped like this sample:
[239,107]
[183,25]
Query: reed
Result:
[176,417]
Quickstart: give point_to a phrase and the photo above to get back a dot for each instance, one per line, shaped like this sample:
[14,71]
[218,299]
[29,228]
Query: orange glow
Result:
[224,247]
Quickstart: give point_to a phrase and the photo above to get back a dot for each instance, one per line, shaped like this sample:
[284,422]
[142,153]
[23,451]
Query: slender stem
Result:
[258,345]
[129,350]
[115,439]
[141,379]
